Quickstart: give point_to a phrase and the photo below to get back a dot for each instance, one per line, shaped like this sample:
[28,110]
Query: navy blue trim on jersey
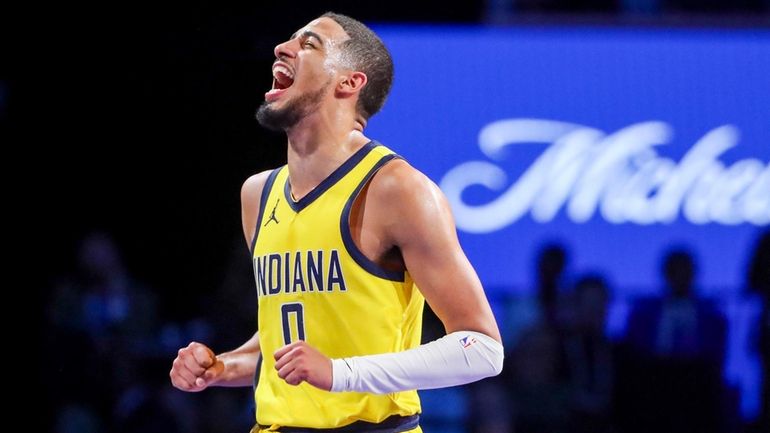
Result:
[391,424]
[263,203]
[255,382]
[327,183]
[347,239]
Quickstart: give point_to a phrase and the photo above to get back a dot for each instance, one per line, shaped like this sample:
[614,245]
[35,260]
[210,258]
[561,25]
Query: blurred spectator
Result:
[679,325]
[550,272]
[547,305]
[672,374]
[590,358]
[103,327]
[534,378]
[110,350]
[759,282]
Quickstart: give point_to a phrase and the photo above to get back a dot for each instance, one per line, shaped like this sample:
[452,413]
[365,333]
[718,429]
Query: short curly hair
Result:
[368,54]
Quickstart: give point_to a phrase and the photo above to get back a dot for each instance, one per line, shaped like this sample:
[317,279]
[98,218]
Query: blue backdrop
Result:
[618,142]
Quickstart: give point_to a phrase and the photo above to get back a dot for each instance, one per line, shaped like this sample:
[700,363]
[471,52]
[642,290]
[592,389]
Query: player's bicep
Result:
[431,251]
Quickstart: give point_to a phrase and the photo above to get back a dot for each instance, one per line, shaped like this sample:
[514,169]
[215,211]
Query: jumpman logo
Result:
[272,215]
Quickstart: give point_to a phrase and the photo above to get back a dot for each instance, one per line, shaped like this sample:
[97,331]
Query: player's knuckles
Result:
[193,365]
[284,372]
[304,371]
[201,353]
[288,356]
[211,374]
[293,379]
[184,357]
[178,382]
[178,366]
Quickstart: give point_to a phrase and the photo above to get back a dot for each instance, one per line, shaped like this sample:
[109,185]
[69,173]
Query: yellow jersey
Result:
[314,284]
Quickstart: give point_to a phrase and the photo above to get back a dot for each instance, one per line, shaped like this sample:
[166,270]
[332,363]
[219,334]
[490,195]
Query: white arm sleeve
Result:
[455,359]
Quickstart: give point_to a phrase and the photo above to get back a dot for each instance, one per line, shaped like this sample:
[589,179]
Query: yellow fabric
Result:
[353,312]
[259,430]
[256,429]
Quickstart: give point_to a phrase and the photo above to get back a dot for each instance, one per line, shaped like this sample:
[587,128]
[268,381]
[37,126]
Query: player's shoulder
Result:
[251,194]
[399,182]
[251,190]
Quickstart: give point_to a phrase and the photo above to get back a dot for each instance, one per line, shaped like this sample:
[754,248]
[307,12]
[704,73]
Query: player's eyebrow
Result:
[309,34]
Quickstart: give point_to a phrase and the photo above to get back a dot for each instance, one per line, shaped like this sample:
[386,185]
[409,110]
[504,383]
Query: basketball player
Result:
[348,241]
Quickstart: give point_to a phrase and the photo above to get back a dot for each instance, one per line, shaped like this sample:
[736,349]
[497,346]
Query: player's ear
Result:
[351,83]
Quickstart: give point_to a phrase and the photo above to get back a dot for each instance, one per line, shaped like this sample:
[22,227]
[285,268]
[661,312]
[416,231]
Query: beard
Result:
[292,113]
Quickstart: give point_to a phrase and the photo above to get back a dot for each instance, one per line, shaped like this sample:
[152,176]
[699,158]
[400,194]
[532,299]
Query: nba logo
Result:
[467,341]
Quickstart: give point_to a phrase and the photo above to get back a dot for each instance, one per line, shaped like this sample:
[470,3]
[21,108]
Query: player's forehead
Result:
[325,29]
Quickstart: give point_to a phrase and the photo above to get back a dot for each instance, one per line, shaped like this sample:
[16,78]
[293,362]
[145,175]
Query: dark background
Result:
[144,120]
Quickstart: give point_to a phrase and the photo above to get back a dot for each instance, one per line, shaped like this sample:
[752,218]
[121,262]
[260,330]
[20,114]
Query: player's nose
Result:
[285,49]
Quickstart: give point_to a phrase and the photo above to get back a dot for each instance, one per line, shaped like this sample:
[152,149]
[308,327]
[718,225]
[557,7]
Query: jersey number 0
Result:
[297,310]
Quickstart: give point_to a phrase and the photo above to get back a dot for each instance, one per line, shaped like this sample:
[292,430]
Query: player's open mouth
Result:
[283,78]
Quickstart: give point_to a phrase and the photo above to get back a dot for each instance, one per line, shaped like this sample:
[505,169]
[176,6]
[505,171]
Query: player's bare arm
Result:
[409,212]
[405,216]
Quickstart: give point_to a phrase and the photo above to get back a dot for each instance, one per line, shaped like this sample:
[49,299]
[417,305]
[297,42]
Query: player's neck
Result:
[316,149]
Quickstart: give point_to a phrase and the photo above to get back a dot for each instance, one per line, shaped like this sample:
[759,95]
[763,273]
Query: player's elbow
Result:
[495,356]
[497,362]
[485,357]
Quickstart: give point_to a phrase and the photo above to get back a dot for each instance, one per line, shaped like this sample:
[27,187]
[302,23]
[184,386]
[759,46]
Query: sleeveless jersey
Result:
[314,284]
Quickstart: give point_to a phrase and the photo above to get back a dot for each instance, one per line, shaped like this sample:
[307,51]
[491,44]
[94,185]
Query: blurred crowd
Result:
[676,365]
[118,340]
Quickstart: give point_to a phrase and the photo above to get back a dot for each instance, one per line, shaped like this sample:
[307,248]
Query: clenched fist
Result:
[299,362]
[195,368]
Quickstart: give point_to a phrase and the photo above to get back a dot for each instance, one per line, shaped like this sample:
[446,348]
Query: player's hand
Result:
[195,368]
[299,362]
